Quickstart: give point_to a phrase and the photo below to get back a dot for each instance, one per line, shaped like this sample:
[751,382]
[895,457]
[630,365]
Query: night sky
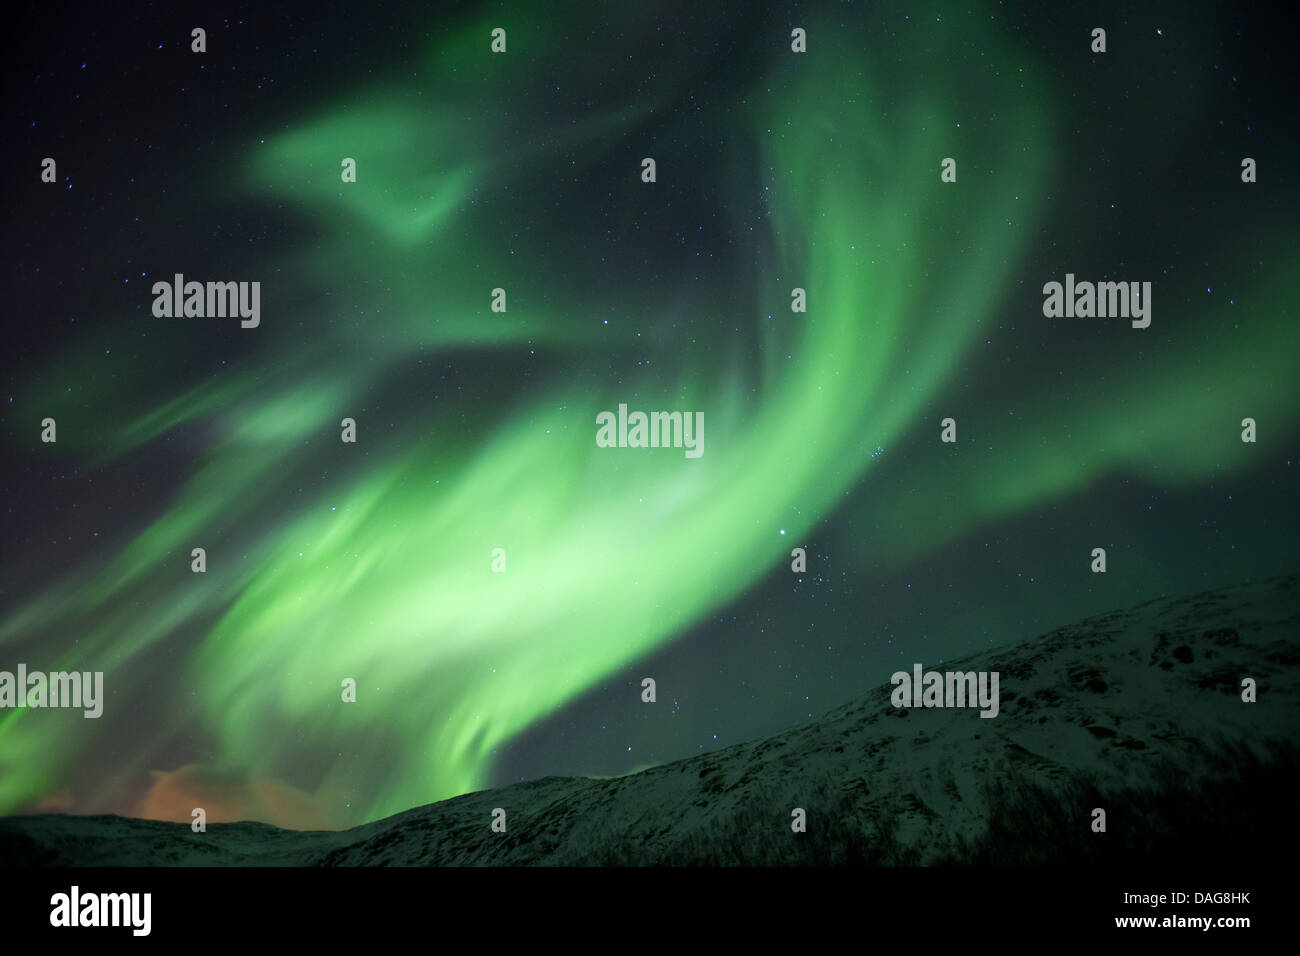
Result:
[476,429]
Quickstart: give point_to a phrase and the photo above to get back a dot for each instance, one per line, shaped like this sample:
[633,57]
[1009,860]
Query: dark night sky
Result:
[775,170]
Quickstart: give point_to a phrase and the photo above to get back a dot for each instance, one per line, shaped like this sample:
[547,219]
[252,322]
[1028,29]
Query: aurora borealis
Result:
[476,429]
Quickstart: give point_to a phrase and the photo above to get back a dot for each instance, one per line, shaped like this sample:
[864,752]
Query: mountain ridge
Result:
[1136,711]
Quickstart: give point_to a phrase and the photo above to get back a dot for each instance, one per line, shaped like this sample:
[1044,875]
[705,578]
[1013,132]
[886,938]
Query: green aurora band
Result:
[382,572]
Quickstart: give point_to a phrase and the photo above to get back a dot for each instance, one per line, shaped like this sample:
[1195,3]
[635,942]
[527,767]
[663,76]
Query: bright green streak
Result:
[383,574]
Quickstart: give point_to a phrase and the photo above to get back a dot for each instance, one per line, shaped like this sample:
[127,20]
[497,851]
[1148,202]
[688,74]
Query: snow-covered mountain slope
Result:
[1137,712]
